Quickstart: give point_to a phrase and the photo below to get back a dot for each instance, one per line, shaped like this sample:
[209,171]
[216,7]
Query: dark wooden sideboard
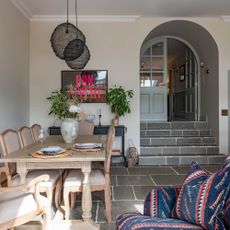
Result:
[120,131]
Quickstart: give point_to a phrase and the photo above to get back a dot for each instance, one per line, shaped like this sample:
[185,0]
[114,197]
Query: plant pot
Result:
[115,121]
[69,129]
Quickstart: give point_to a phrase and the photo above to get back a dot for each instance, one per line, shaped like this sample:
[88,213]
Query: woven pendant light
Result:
[68,43]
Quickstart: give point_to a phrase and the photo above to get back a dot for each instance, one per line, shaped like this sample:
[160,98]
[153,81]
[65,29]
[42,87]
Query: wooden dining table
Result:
[74,159]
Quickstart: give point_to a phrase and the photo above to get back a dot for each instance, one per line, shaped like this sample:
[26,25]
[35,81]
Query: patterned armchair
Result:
[202,202]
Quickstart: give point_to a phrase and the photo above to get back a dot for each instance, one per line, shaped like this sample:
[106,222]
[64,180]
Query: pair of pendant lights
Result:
[69,43]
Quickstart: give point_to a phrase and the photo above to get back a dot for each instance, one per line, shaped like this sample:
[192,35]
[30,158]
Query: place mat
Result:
[43,156]
[86,150]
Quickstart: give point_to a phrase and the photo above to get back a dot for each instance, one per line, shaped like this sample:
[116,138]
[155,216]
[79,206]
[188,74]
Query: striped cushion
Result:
[136,221]
[160,201]
[202,197]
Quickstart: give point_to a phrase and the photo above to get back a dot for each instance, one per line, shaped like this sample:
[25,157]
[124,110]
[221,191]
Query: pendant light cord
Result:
[76,12]
[67,6]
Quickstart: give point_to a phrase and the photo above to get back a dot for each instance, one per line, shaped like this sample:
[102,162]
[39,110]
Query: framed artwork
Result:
[90,85]
[182,72]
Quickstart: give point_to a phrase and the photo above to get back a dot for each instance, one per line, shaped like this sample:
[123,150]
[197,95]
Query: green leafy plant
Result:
[118,99]
[63,104]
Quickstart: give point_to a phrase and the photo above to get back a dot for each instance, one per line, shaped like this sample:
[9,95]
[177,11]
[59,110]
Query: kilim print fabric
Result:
[160,201]
[202,197]
[136,221]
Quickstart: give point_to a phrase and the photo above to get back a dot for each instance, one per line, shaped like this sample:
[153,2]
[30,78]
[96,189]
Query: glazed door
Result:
[153,78]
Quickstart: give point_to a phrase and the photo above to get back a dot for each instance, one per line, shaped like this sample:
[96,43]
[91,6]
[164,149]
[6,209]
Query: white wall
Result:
[114,46]
[14,67]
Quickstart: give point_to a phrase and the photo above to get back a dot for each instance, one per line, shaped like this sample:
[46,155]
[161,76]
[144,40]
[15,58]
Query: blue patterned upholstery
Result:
[136,221]
[202,197]
[203,202]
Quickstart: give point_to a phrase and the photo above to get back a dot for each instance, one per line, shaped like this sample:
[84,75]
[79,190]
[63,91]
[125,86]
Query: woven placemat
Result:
[37,155]
[87,150]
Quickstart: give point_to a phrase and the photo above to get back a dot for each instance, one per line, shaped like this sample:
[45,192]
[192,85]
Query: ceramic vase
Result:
[69,129]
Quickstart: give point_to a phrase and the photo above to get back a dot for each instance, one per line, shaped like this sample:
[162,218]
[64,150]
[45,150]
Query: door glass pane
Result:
[157,49]
[148,52]
[145,80]
[157,63]
[157,79]
[145,63]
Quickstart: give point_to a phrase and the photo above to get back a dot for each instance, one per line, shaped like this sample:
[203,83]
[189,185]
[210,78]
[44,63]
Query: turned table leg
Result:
[86,193]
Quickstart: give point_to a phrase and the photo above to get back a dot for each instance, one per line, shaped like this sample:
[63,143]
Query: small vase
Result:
[69,129]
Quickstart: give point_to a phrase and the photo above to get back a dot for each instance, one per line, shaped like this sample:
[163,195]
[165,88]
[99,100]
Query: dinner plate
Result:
[88,145]
[51,150]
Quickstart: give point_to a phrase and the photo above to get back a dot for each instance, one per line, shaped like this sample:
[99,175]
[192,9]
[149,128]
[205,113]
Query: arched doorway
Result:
[169,80]
[202,44]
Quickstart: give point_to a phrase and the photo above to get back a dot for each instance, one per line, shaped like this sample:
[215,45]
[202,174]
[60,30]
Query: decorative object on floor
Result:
[202,203]
[90,85]
[67,107]
[68,43]
[118,99]
[132,156]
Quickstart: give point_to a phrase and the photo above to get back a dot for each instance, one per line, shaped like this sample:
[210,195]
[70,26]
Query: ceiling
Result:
[35,9]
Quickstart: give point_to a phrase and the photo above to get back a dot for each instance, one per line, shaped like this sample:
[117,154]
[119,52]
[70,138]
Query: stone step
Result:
[169,150]
[176,133]
[181,159]
[173,125]
[171,141]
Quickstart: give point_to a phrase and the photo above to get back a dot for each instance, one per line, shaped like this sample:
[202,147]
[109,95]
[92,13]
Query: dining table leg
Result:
[86,193]
[22,171]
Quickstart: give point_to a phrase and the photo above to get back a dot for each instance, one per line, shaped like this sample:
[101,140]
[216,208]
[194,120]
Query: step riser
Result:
[174,125]
[177,141]
[175,133]
[179,150]
[177,160]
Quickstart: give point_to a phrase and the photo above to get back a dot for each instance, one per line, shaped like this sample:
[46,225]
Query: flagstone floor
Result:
[129,188]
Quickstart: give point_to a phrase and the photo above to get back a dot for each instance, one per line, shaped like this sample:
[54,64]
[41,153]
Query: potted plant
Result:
[66,107]
[118,99]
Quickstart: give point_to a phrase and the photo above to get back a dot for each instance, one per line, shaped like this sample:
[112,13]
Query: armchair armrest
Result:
[33,187]
[160,201]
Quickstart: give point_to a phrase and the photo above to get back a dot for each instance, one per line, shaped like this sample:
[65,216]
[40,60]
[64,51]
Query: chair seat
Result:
[129,221]
[18,204]
[53,174]
[75,178]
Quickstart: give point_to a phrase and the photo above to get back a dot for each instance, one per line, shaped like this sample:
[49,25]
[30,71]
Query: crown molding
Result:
[23,8]
[226,18]
[88,18]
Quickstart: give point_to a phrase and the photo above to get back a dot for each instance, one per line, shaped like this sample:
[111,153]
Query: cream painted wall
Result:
[116,47]
[14,67]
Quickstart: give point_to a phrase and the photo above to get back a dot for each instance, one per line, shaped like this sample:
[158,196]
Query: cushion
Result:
[75,178]
[136,221]
[160,201]
[16,204]
[202,197]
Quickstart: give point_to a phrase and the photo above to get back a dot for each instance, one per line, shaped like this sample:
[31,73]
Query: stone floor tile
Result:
[182,169]
[119,207]
[105,226]
[151,170]
[168,179]
[141,191]
[118,171]
[134,180]
[123,193]
[211,168]
[113,180]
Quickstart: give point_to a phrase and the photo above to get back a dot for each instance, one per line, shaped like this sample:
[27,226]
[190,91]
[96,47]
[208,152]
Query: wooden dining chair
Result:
[9,141]
[25,136]
[99,180]
[22,203]
[85,128]
[35,128]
